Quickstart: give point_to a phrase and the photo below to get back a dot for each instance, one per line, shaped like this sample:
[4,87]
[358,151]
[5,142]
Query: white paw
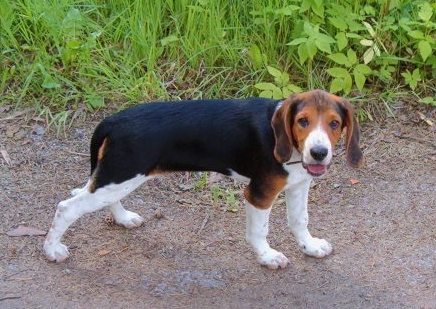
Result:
[316,247]
[273,259]
[129,219]
[56,252]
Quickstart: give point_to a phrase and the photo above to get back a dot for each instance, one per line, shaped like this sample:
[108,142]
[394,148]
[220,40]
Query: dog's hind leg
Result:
[76,191]
[124,217]
[84,202]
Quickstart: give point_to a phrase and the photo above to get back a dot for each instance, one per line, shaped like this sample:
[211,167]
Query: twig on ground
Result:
[77,153]
[203,224]
[9,297]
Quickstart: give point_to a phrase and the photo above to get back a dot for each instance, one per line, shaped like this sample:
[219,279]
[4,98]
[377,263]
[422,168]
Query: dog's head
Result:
[312,122]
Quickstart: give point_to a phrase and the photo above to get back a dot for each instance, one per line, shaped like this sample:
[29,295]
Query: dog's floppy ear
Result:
[354,154]
[281,124]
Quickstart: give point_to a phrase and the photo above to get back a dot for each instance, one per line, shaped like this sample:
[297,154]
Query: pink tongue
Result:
[316,168]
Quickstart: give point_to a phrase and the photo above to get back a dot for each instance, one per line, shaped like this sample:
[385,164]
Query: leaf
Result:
[323,42]
[25,231]
[103,252]
[6,157]
[364,69]
[416,34]
[273,71]
[424,49]
[425,12]
[298,41]
[266,94]
[359,79]
[341,40]
[428,100]
[289,10]
[318,8]
[290,89]
[376,49]
[309,29]
[369,28]
[282,80]
[265,86]
[354,181]
[367,42]
[277,93]
[336,85]
[368,55]
[338,23]
[348,84]
[338,72]
[302,53]
[11,130]
[340,58]
[256,56]
[311,49]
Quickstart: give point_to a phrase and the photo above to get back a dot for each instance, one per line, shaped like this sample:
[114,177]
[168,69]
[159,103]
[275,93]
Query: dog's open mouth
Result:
[316,169]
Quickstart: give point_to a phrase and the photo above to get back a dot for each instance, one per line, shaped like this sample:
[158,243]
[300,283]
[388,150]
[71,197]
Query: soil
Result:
[191,252]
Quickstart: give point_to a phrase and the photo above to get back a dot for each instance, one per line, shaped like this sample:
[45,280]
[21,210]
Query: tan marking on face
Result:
[319,112]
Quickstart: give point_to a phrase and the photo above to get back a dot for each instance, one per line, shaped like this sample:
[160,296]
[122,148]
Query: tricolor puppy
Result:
[274,145]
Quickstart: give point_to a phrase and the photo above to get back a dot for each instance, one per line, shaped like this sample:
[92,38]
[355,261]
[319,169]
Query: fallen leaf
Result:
[20,134]
[11,130]
[22,230]
[426,119]
[6,157]
[354,181]
[103,252]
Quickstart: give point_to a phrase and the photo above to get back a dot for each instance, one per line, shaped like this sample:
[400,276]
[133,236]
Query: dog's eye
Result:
[303,122]
[334,124]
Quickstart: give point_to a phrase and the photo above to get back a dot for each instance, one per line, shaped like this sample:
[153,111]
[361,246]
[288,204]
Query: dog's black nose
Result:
[319,153]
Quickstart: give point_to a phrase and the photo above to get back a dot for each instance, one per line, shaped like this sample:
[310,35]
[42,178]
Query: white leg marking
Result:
[298,219]
[128,219]
[256,232]
[84,202]
[77,191]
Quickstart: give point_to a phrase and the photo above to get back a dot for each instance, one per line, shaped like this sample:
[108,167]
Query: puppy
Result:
[273,145]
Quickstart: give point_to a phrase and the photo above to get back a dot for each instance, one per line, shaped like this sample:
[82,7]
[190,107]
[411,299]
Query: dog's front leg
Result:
[298,219]
[256,232]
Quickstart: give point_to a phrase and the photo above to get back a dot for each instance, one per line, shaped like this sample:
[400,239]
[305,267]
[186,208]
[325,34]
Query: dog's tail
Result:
[98,141]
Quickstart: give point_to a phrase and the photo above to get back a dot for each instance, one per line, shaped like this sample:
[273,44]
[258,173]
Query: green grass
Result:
[64,54]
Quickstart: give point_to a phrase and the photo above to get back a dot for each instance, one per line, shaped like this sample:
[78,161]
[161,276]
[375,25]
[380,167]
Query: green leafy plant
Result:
[228,196]
[281,88]
[354,71]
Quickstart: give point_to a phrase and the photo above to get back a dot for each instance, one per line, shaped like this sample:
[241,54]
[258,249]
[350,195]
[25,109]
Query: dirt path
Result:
[191,252]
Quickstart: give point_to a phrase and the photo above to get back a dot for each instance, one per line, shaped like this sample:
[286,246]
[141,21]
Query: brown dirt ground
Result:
[191,252]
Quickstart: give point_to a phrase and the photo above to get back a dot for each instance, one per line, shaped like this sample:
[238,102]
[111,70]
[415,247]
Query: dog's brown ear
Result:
[354,154]
[281,124]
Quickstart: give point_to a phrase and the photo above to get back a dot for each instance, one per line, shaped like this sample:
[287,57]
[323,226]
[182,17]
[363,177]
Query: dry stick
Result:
[9,297]
[76,153]
[203,224]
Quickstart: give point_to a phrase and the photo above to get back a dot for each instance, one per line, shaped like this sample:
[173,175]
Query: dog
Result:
[273,145]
